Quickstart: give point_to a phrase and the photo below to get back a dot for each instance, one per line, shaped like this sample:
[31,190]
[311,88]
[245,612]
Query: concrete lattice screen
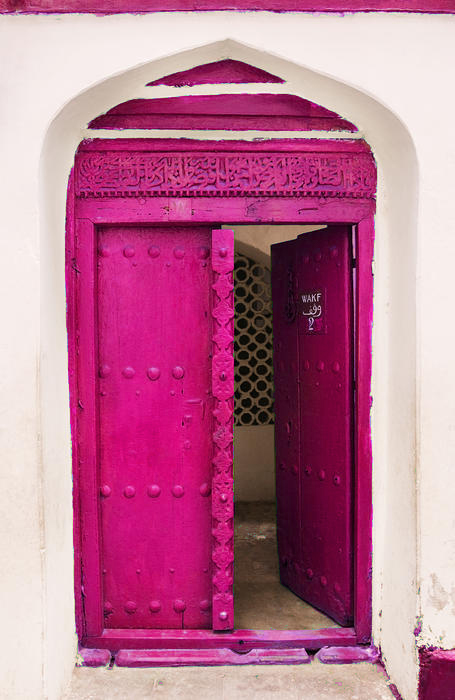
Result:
[253,343]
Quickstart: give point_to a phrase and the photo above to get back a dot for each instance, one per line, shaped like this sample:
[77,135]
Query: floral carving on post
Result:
[223,412]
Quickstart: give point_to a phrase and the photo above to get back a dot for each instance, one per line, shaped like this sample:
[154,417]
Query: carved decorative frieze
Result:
[223,413]
[120,174]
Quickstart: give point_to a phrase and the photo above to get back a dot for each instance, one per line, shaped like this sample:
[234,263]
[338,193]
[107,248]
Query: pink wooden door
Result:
[165,555]
[314,388]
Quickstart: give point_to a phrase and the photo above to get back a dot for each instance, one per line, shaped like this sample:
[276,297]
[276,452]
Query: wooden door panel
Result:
[326,406]
[287,423]
[154,408]
[322,568]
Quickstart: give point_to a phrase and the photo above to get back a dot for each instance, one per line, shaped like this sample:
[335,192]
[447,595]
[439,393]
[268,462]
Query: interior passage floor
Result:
[261,602]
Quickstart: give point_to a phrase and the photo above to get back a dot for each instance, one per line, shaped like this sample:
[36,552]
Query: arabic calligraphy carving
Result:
[312,306]
[119,174]
[315,311]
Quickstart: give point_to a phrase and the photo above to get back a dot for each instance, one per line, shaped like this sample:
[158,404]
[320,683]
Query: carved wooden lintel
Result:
[123,174]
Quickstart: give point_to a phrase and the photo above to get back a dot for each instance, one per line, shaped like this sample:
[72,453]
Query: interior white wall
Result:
[254,463]
[400,99]
[255,240]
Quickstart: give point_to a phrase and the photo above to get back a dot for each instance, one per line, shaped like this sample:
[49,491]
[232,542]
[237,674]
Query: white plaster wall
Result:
[390,74]
[21,516]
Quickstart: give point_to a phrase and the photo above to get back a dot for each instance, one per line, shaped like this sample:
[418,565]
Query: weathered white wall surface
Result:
[390,74]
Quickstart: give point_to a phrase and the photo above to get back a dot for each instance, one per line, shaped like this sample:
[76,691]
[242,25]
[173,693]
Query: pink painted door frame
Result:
[146,182]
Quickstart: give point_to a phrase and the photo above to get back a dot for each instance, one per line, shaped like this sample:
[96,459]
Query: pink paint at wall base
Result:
[437,674]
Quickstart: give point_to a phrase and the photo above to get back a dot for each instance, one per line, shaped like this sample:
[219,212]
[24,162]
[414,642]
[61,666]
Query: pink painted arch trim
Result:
[109,7]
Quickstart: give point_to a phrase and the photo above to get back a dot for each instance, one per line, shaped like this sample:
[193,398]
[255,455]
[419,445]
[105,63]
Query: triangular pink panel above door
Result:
[259,112]
[218,72]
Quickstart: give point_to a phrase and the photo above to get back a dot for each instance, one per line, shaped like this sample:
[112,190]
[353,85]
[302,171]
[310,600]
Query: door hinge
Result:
[354,262]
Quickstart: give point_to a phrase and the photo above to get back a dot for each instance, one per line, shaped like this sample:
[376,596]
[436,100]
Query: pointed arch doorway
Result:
[126,197]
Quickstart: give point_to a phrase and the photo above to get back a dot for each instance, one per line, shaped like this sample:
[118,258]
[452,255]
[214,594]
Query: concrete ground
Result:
[261,603]
[313,681]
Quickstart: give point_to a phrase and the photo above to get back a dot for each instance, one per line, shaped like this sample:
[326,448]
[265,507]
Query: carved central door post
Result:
[223,438]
